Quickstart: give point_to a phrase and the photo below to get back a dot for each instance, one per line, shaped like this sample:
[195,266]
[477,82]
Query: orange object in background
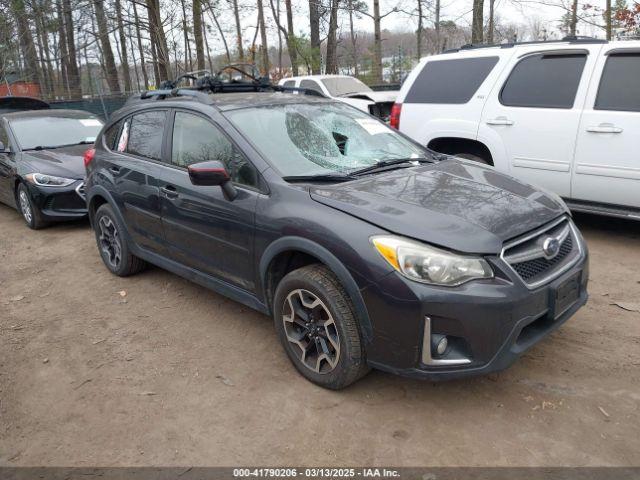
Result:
[20,88]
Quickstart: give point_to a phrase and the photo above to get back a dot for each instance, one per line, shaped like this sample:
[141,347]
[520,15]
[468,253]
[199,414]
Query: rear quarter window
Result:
[450,81]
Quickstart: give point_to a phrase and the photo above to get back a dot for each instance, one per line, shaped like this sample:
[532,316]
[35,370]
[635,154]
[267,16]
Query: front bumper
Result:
[60,203]
[494,321]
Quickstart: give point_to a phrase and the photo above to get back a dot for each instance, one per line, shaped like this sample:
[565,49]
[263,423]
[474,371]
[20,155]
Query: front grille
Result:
[535,265]
[538,266]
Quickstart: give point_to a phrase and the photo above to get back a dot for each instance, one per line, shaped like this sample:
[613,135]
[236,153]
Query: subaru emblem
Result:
[550,247]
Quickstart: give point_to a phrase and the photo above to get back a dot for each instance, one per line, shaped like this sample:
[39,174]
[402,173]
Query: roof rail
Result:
[570,39]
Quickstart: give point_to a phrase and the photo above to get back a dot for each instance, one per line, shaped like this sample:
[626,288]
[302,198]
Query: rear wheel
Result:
[30,212]
[113,246]
[317,326]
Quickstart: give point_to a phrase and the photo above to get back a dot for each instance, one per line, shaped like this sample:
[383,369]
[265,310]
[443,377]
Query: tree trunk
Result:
[73,74]
[105,44]
[123,47]
[263,38]
[573,25]
[607,14]
[236,14]
[62,42]
[224,40]
[377,43]
[491,27]
[197,34]
[32,70]
[185,33]
[419,32]
[332,41]
[437,20]
[314,24]
[143,66]
[352,35]
[291,39]
[477,22]
[159,40]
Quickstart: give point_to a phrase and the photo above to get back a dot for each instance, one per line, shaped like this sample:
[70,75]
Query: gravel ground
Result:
[97,370]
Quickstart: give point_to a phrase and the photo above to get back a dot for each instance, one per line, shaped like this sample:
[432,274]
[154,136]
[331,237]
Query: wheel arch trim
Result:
[304,245]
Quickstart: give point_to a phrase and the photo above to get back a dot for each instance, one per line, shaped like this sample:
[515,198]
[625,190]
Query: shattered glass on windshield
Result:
[318,138]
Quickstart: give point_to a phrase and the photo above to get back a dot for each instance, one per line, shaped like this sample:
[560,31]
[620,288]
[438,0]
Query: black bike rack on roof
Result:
[207,85]
[571,39]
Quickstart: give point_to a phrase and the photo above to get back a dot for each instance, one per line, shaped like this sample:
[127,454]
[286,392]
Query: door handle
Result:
[604,128]
[114,169]
[500,121]
[169,191]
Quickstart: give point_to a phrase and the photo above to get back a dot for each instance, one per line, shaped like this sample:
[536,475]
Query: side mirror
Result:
[212,174]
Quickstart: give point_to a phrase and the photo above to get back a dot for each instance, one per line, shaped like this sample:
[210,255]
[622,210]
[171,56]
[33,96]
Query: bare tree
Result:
[236,14]
[123,47]
[263,37]
[332,41]
[477,21]
[491,26]
[105,45]
[143,66]
[197,34]
[314,35]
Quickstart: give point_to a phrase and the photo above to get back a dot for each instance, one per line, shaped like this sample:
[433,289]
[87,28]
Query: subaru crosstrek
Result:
[368,250]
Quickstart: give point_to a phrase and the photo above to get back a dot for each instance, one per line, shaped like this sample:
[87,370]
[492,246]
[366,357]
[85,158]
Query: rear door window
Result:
[111,135]
[450,81]
[289,84]
[620,83]
[145,134]
[544,81]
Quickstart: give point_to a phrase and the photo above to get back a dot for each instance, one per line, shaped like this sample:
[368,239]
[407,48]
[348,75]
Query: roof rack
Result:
[572,39]
[210,84]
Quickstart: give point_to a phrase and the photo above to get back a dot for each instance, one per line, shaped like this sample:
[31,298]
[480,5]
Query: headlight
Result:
[423,263]
[48,180]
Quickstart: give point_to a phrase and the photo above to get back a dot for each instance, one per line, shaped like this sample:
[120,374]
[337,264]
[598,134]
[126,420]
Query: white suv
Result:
[564,115]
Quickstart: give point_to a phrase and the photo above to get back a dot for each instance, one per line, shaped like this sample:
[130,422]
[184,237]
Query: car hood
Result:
[63,162]
[383,96]
[454,204]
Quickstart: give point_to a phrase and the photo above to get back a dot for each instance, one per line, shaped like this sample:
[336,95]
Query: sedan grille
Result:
[539,257]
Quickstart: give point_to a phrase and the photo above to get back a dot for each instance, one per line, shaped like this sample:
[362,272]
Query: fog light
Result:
[439,344]
[442,346]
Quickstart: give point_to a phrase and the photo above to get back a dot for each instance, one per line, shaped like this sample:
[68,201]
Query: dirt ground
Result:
[173,374]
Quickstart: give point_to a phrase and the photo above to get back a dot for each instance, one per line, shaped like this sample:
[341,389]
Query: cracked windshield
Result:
[317,139]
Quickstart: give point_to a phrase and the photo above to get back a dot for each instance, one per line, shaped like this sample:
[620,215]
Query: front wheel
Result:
[316,324]
[30,212]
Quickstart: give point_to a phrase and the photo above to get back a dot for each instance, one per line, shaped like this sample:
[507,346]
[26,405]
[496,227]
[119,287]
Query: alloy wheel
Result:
[110,241]
[311,331]
[25,206]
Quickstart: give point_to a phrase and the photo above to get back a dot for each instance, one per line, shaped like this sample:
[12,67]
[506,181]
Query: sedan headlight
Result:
[423,263]
[48,180]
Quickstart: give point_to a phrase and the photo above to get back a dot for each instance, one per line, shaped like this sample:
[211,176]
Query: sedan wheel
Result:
[25,206]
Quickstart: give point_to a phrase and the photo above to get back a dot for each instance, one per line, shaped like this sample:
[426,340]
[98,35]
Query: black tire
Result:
[473,157]
[115,251]
[319,282]
[31,214]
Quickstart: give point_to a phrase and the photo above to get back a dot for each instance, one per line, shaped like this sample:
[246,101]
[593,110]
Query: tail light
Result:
[88,156]
[394,118]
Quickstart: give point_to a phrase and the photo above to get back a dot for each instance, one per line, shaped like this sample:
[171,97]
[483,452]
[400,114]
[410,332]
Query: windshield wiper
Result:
[321,177]
[385,164]
[52,147]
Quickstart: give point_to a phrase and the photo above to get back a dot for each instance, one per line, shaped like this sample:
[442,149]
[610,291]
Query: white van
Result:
[564,115]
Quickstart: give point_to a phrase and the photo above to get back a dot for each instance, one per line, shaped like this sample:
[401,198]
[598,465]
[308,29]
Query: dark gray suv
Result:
[367,249]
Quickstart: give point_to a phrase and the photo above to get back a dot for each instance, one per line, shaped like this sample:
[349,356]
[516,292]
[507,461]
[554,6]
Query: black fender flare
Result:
[98,190]
[331,261]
